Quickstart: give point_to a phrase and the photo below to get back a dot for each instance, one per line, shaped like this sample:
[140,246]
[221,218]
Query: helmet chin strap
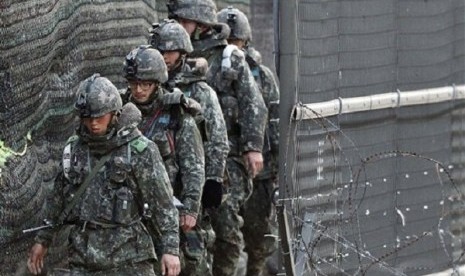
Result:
[180,61]
[197,32]
[114,118]
[155,94]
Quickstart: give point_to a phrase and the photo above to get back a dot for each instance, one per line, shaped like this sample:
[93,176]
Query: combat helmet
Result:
[97,96]
[169,35]
[202,11]
[238,23]
[145,63]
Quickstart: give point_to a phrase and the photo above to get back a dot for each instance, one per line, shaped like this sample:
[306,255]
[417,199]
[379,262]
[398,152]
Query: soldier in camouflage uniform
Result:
[245,115]
[172,40]
[166,120]
[259,232]
[174,43]
[113,179]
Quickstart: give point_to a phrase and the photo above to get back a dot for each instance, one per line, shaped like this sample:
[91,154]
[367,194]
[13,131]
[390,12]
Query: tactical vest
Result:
[162,128]
[111,198]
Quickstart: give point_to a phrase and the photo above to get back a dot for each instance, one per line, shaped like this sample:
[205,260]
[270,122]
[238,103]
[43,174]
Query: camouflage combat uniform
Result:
[189,77]
[245,115]
[107,233]
[166,121]
[259,232]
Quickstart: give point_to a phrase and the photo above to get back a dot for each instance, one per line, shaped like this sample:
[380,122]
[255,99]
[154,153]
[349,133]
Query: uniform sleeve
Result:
[54,204]
[216,145]
[271,96]
[155,190]
[252,110]
[190,159]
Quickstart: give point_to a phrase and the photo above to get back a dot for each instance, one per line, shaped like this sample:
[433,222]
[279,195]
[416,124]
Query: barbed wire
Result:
[350,195]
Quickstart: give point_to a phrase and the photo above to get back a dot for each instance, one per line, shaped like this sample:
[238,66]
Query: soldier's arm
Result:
[271,88]
[54,204]
[155,191]
[252,110]
[190,158]
[216,145]
[43,239]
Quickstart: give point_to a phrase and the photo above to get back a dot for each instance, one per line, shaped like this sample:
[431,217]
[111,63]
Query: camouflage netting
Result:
[46,48]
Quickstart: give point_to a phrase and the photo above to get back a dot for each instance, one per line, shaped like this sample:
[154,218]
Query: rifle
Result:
[47,224]
[50,224]
[64,214]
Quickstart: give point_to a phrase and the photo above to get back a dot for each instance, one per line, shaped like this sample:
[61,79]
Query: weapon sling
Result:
[82,188]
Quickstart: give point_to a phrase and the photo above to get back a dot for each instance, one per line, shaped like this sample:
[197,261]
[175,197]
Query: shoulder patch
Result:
[139,144]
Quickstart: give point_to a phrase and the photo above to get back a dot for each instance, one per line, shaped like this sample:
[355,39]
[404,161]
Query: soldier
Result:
[113,179]
[259,232]
[166,121]
[245,115]
[174,43]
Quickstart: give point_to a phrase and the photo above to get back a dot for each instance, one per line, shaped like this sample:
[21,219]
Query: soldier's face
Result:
[99,125]
[189,25]
[171,59]
[142,90]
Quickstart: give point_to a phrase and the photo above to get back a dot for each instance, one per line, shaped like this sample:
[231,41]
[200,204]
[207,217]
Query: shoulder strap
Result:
[226,58]
[82,188]
[176,118]
[67,153]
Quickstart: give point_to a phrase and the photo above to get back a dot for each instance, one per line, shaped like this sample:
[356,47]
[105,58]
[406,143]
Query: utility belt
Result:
[98,225]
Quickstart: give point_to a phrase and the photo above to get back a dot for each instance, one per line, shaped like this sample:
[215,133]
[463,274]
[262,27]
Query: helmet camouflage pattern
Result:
[145,63]
[237,21]
[170,36]
[97,96]
[202,11]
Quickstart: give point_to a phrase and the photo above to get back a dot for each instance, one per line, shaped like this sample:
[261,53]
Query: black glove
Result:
[212,194]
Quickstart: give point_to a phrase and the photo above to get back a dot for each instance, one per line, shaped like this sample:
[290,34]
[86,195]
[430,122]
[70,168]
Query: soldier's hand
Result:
[212,194]
[35,261]
[187,222]
[254,162]
[170,265]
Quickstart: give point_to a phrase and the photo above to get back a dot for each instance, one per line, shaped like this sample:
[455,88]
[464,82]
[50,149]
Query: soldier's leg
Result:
[194,253]
[210,236]
[227,222]
[259,233]
[144,268]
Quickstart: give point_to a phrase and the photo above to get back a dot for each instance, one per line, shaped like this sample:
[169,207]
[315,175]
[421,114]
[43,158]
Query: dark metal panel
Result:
[373,183]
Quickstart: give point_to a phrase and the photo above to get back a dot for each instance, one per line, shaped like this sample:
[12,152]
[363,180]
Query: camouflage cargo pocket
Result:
[192,245]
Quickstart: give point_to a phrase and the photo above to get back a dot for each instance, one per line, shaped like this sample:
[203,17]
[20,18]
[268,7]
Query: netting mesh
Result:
[47,47]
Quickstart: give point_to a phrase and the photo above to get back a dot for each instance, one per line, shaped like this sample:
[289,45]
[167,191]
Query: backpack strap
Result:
[227,53]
